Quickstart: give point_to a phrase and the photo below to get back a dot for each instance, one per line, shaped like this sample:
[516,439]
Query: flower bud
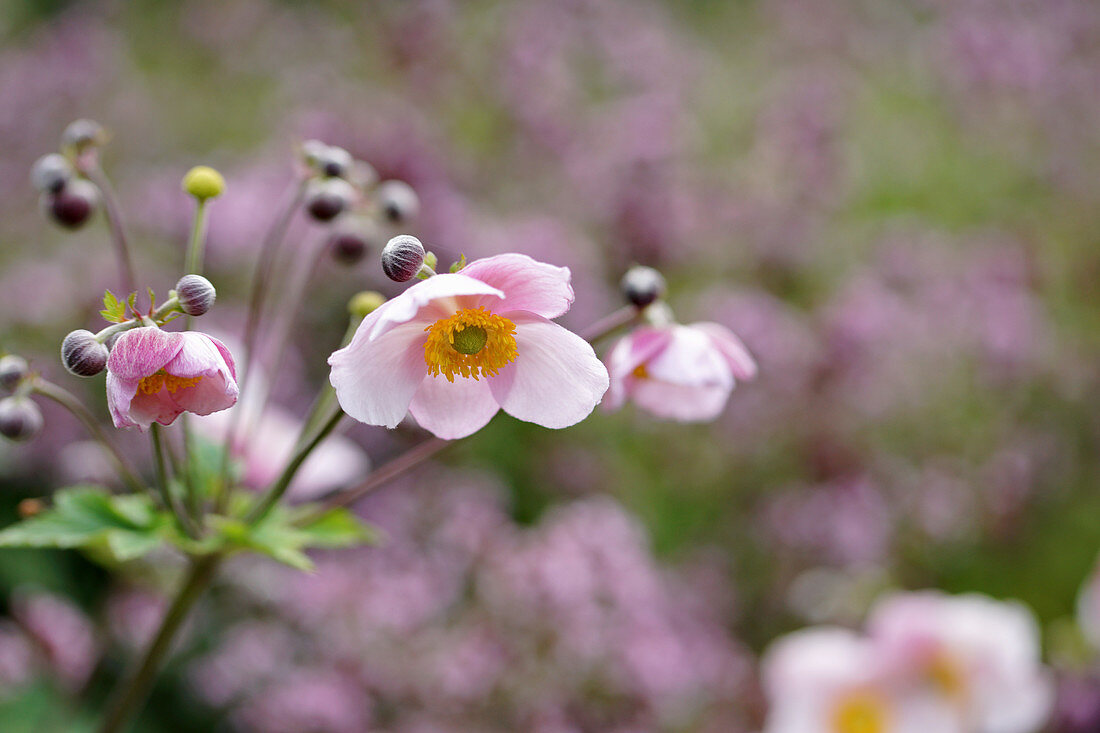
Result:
[402,257]
[73,205]
[51,172]
[363,304]
[326,199]
[196,294]
[363,174]
[398,201]
[351,241]
[12,371]
[203,182]
[82,354]
[642,285]
[328,160]
[83,134]
[20,418]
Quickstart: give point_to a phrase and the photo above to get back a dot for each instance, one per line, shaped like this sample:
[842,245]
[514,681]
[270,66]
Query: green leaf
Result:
[152,299]
[114,310]
[456,266]
[339,528]
[90,518]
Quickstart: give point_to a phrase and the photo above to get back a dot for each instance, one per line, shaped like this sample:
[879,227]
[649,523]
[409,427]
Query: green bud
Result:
[363,304]
[203,182]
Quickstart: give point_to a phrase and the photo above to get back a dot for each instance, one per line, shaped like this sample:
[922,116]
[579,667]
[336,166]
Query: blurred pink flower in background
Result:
[154,375]
[679,372]
[404,356]
[63,634]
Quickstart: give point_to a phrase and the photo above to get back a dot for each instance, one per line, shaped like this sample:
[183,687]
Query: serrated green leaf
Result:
[114,310]
[152,299]
[338,528]
[90,518]
[132,302]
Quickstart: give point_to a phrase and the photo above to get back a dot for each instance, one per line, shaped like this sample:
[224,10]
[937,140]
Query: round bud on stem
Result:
[398,201]
[83,134]
[203,182]
[20,419]
[12,371]
[352,239]
[196,294]
[82,354]
[73,205]
[336,162]
[51,172]
[364,303]
[326,199]
[642,285]
[402,258]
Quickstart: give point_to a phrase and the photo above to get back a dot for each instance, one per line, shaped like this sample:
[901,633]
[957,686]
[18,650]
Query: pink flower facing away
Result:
[678,372]
[457,347]
[154,375]
[928,662]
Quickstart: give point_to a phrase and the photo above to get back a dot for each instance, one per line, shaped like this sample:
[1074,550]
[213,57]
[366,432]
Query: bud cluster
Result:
[348,193]
[20,418]
[67,197]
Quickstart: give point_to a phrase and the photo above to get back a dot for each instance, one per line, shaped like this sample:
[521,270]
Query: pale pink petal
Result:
[556,379]
[210,394]
[451,410]
[201,356]
[375,380]
[120,392]
[527,284]
[685,403]
[156,407]
[140,352]
[690,359]
[739,358]
[630,352]
[438,296]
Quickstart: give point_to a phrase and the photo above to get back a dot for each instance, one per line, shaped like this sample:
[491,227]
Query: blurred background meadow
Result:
[894,204]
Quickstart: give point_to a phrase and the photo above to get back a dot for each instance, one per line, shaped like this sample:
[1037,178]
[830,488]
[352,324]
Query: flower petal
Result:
[739,358]
[376,379]
[556,379]
[140,352]
[120,393]
[690,359]
[438,295]
[628,353]
[527,284]
[201,356]
[683,402]
[451,410]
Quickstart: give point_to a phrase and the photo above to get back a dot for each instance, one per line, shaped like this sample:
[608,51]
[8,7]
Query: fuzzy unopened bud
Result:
[363,304]
[402,258]
[83,134]
[642,285]
[328,160]
[398,201]
[196,294]
[353,238]
[73,205]
[12,371]
[203,182]
[20,419]
[326,199]
[51,172]
[82,354]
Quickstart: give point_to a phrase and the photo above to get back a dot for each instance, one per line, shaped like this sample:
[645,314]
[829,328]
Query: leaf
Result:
[456,266]
[132,302]
[114,310]
[90,518]
[339,528]
[152,300]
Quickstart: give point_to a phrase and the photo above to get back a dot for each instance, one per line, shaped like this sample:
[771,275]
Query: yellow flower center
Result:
[947,675]
[641,372]
[860,712]
[153,383]
[471,343]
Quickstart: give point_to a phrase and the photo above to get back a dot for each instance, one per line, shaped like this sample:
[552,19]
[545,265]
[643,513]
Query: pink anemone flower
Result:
[457,347]
[154,375]
[678,372]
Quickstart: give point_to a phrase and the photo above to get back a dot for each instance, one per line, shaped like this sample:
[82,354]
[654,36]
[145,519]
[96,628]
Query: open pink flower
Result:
[455,348]
[679,372]
[154,375]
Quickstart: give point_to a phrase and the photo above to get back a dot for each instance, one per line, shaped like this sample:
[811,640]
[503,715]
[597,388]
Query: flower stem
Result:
[69,401]
[609,324]
[380,476]
[164,485]
[265,504]
[197,243]
[118,231]
[134,688]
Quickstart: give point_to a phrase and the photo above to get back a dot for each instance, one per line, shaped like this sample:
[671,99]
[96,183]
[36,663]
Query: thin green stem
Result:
[197,244]
[379,477]
[118,230]
[281,484]
[134,688]
[164,485]
[69,401]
